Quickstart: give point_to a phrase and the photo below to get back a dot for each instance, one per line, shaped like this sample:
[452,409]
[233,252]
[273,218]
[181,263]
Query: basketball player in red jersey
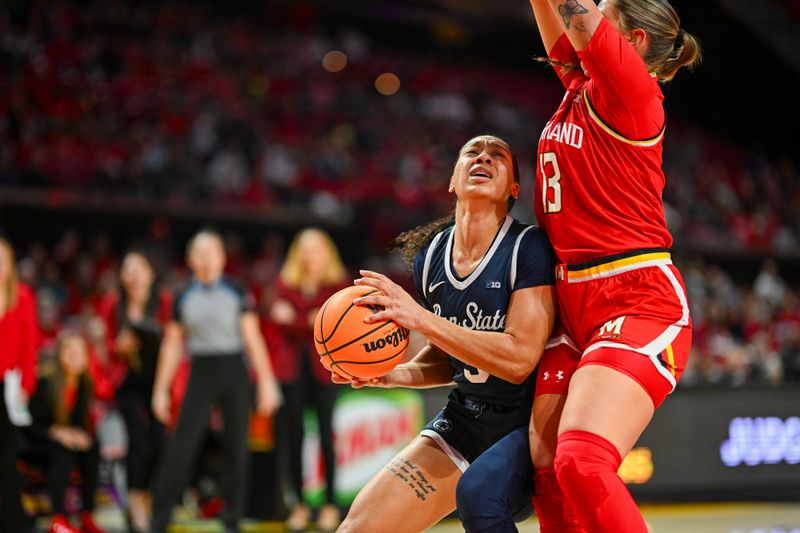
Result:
[598,196]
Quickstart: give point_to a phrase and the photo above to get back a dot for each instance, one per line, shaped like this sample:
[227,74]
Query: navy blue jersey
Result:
[520,257]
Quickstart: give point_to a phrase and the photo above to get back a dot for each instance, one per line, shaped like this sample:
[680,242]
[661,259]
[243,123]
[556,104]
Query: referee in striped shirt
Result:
[214,320]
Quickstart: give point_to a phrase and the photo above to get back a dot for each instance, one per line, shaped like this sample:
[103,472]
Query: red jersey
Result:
[288,343]
[599,178]
[19,339]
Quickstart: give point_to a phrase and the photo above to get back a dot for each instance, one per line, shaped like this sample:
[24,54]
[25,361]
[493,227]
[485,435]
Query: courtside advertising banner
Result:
[720,443]
[370,426]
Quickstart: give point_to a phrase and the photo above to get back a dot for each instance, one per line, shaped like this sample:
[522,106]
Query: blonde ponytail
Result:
[670,47]
[687,54]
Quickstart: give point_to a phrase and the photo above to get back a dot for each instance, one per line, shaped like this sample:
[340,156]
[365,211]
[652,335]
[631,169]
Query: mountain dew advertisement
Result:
[370,427]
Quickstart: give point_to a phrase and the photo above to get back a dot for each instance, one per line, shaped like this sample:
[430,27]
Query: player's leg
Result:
[620,382]
[552,508]
[556,367]
[605,412]
[629,365]
[496,489]
[411,493]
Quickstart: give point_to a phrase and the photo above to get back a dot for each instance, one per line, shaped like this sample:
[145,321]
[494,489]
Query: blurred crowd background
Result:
[179,110]
[746,332]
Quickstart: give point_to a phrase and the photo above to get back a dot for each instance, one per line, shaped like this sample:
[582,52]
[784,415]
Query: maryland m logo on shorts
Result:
[611,329]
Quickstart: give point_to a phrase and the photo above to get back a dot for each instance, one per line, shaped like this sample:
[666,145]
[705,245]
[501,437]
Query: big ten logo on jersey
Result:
[612,329]
[493,285]
[563,132]
[476,318]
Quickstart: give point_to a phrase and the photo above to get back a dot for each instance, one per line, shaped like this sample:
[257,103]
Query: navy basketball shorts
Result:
[464,429]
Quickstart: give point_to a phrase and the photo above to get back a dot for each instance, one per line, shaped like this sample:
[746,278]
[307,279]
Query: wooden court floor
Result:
[701,518]
[664,518]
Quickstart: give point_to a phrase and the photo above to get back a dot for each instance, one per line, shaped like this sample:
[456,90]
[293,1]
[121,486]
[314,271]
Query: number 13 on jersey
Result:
[551,182]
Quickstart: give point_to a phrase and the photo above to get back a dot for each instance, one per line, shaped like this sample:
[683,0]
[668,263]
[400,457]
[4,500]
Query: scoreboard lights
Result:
[761,441]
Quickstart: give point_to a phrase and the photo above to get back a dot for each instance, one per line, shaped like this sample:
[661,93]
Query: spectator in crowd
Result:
[745,334]
[312,272]
[769,285]
[215,320]
[18,344]
[135,317]
[61,435]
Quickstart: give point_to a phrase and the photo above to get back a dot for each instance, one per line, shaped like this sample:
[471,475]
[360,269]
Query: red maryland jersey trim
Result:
[614,133]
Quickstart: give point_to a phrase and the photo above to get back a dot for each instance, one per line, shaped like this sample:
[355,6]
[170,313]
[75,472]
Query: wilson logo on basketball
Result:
[351,347]
[393,339]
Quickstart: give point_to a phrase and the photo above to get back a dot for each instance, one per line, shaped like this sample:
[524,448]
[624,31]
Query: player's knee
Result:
[469,496]
[567,468]
[581,455]
[479,504]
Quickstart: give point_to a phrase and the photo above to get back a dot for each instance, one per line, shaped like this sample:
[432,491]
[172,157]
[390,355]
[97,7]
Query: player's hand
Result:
[397,303]
[357,383]
[268,397]
[161,404]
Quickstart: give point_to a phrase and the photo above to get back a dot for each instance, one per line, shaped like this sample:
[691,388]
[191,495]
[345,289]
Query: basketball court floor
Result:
[701,518]
[666,518]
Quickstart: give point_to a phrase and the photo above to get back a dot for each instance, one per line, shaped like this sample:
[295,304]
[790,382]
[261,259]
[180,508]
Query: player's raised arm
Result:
[549,23]
[560,52]
[579,18]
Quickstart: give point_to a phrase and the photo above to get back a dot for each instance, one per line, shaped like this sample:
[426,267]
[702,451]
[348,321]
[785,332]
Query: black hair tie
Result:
[679,38]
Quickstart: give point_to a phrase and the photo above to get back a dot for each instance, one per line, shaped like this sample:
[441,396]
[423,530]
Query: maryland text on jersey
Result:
[563,132]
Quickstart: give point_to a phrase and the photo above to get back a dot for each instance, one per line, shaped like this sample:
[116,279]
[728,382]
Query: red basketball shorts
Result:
[629,312]
[559,361]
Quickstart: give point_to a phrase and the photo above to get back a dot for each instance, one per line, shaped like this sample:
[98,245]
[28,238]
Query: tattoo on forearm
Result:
[412,475]
[569,9]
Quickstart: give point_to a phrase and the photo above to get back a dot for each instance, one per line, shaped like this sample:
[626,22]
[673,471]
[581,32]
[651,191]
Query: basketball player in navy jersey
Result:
[485,282]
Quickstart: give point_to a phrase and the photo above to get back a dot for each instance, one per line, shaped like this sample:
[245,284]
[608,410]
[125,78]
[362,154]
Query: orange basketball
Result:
[351,347]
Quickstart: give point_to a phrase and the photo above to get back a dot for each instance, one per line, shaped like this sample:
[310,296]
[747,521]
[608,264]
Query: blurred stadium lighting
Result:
[334,61]
[387,84]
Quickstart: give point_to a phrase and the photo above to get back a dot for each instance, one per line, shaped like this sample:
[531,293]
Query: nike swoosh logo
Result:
[432,287]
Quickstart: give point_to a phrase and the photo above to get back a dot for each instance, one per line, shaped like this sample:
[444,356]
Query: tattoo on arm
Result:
[569,9]
[412,475]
